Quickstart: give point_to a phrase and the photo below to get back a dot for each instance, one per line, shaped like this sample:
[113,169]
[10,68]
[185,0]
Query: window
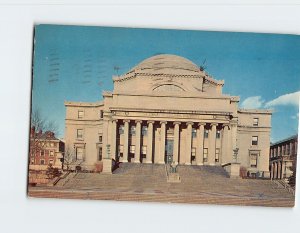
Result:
[288,149]
[144,130]
[100,138]
[206,133]
[51,161]
[121,148]
[255,121]
[32,161]
[144,150]
[253,160]
[132,130]
[80,114]
[254,140]
[271,153]
[51,153]
[121,129]
[132,149]
[101,114]
[42,152]
[205,153]
[193,154]
[217,155]
[79,153]
[279,151]
[194,133]
[100,153]
[193,151]
[218,134]
[42,162]
[80,133]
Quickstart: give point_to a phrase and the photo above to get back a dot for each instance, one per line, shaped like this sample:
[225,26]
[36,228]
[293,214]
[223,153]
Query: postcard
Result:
[160,115]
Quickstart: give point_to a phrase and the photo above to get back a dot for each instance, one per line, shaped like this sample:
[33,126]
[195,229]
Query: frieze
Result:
[170,115]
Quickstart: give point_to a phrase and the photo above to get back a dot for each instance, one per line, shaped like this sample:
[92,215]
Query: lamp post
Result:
[235,154]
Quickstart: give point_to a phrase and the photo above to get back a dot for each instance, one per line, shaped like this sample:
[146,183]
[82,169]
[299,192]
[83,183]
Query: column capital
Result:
[189,123]
[138,121]
[201,123]
[126,120]
[114,120]
[226,125]
[214,124]
[150,122]
[176,123]
[163,122]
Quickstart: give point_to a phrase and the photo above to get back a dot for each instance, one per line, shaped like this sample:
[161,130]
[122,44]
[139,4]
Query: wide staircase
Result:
[148,182]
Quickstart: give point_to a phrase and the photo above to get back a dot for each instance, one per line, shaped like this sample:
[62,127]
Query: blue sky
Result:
[75,63]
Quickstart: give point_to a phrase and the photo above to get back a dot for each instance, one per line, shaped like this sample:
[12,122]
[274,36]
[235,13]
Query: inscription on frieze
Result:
[171,115]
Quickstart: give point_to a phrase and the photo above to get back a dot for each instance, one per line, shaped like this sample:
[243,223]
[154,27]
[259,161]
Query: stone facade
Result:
[167,108]
[283,156]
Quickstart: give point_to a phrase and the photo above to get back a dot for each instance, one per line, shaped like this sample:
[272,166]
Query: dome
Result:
[167,64]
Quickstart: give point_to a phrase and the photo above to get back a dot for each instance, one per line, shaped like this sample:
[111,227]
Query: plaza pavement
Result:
[148,182]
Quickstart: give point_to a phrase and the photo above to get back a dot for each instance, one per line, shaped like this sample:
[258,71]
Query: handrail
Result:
[285,185]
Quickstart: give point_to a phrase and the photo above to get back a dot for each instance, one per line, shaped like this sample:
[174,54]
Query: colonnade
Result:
[183,158]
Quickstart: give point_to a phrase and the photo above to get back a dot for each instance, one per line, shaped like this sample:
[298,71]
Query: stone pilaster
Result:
[188,143]
[212,144]
[126,141]
[137,154]
[176,142]
[104,137]
[200,143]
[230,144]
[162,142]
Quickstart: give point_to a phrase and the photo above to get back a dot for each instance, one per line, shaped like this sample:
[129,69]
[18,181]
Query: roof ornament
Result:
[117,68]
[203,66]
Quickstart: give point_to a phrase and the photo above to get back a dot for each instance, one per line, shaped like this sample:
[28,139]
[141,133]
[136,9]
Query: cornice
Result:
[170,111]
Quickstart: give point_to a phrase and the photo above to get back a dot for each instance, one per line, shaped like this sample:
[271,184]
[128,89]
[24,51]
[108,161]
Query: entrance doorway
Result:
[169,150]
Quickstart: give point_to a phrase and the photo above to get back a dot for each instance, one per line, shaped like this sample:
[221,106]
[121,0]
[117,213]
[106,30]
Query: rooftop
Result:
[167,64]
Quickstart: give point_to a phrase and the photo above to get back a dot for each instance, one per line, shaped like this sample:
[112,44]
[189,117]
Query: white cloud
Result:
[295,116]
[287,99]
[253,102]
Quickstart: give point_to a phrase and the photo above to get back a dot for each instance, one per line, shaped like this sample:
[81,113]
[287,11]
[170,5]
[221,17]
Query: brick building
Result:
[45,149]
[283,156]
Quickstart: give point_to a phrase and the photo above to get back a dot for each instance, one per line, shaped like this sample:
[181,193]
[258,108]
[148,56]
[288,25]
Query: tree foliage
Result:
[52,172]
[68,159]
[39,124]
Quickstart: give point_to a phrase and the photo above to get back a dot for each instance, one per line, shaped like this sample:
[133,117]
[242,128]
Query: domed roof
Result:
[167,64]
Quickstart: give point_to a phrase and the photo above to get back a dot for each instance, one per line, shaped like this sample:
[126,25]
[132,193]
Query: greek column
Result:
[199,145]
[149,142]
[113,139]
[188,143]
[137,153]
[176,142]
[126,133]
[212,144]
[162,142]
